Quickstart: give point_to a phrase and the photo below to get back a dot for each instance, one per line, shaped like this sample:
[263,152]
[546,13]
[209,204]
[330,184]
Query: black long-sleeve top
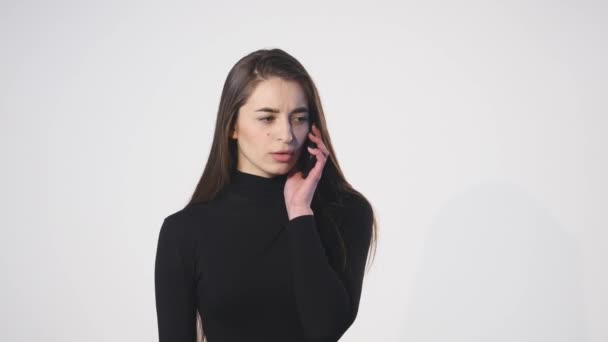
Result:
[255,275]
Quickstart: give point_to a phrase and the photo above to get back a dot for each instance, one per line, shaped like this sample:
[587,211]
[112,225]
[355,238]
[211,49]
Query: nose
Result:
[285,132]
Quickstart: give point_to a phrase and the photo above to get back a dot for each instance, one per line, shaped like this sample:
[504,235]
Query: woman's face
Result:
[275,118]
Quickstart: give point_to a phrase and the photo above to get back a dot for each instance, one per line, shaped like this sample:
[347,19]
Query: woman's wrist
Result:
[299,211]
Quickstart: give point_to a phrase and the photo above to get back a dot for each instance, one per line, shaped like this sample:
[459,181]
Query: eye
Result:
[269,118]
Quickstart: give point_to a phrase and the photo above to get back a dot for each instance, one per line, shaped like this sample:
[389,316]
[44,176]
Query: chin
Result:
[282,168]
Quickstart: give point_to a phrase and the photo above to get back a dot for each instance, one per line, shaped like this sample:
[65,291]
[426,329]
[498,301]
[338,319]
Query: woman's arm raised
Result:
[327,305]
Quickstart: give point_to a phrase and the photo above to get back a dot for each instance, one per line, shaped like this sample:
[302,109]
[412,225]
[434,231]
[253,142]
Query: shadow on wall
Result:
[497,267]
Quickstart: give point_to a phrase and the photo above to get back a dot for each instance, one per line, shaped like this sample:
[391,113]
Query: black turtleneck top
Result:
[255,275]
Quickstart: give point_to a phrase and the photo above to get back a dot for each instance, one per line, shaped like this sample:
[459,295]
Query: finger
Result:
[317,170]
[313,150]
[325,150]
[318,153]
[320,144]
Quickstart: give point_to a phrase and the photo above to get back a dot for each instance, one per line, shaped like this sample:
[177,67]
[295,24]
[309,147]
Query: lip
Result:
[283,152]
[282,157]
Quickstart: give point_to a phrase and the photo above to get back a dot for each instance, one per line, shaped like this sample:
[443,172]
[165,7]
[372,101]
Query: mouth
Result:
[282,157]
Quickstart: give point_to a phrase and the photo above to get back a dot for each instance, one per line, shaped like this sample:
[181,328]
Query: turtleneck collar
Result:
[257,187]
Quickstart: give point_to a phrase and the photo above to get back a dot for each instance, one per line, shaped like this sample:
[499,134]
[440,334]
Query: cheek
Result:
[304,138]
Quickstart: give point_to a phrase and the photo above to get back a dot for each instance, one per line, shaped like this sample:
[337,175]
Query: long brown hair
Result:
[242,79]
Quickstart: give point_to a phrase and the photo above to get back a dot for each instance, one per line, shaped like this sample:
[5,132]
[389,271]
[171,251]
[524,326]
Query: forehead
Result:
[276,92]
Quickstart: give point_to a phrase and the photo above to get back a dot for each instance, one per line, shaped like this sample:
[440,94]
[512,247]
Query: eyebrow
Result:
[302,109]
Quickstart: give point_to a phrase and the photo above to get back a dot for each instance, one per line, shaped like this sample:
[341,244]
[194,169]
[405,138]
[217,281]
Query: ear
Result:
[233,134]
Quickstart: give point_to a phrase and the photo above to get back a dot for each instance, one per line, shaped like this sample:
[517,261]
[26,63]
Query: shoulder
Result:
[357,205]
[357,214]
[186,222]
[191,213]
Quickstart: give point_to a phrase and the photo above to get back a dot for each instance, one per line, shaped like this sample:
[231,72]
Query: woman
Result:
[263,252]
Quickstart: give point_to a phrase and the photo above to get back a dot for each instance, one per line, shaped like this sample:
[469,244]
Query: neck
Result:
[257,187]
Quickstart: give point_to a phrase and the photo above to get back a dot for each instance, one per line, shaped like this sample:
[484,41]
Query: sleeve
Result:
[174,287]
[327,305]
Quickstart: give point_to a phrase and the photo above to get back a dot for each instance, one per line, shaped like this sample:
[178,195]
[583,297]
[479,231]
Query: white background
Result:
[477,130]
